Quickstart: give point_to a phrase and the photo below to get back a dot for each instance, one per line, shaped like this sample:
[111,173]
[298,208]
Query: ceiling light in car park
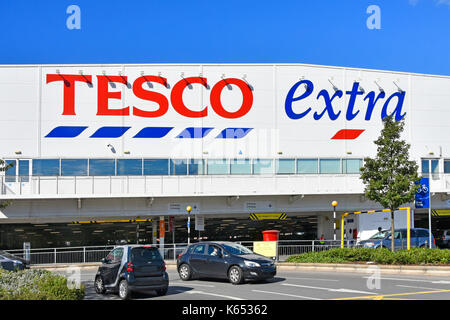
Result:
[98,231]
[76,231]
[18,230]
[48,229]
[55,232]
[40,225]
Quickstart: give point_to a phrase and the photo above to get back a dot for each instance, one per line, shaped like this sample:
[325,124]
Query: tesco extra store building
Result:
[129,146]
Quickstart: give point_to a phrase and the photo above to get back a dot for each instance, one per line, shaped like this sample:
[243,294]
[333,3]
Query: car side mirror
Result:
[104,260]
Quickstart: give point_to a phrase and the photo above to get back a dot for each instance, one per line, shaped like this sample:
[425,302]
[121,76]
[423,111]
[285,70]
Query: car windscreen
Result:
[7,255]
[143,255]
[237,249]
[380,235]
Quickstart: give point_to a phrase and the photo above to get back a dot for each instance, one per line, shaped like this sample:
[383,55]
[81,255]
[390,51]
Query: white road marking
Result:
[416,280]
[329,289]
[210,294]
[399,285]
[193,283]
[286,294]
[312,279]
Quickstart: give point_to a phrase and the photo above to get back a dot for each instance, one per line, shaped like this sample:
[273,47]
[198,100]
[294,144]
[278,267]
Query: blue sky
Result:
[414,34]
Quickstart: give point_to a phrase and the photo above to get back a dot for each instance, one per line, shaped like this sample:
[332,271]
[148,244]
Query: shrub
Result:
[36,284]
[381,256]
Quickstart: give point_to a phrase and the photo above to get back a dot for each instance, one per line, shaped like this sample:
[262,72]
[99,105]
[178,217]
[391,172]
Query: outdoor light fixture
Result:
[334,204]
[189,209]
[57,71]
[126,152]
[399,89]
[334,87]
[18,152]
[349,152]
[379,87]
[280,152]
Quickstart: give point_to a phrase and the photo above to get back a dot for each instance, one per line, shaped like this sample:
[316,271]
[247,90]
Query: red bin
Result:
[270,235]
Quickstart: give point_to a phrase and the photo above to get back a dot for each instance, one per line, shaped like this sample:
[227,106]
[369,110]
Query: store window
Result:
[446,166]
[24,170]
[102,167]
[241,166]
[285,166]
[178,167]
[196,167]
[220,166]
[10,173]
[46,167]
[74,167]
[129,167]
[329,166]
[263,166]
[307,166]
[156,167]
[430,166]
[351,165]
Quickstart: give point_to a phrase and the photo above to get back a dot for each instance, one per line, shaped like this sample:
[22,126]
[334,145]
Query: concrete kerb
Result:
[288,266]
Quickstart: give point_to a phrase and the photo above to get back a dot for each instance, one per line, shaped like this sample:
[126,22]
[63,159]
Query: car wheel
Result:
[99,285]
[235,275]
[124,290]
[185,272]
[162,292]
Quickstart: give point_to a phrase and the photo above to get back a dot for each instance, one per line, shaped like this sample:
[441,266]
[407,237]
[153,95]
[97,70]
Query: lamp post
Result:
[188,209]
[334,204]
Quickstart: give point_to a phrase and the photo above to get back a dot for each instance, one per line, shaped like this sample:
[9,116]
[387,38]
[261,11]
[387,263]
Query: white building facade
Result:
[99,142]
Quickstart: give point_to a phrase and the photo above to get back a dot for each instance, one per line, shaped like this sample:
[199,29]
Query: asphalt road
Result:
[297,285]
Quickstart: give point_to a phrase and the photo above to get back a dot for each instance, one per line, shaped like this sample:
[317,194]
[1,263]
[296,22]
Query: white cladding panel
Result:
[32,108]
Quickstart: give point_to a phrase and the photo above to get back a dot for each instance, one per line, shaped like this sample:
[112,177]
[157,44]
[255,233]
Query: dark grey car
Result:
[132,268]
[226,260]
[11,262]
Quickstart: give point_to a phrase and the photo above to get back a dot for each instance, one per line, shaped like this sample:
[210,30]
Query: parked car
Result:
[419,238]
[131,268]
[445,239]
[11,262]
[226,260]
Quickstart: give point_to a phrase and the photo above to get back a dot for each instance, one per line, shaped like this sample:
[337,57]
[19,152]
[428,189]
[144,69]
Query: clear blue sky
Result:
[414,34]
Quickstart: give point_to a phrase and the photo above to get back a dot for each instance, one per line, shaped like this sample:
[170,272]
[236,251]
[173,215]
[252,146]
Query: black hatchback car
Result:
[132,268]
[226,260]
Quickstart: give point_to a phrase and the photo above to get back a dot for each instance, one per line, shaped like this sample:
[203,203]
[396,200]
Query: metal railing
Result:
[170,251]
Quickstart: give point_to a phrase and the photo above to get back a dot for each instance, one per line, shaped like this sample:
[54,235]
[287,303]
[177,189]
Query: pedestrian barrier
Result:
[89,254]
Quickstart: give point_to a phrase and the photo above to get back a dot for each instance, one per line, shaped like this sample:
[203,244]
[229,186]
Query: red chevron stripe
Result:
[347,134]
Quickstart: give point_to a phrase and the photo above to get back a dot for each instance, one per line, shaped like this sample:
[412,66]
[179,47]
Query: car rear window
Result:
[422,233]
[143,255]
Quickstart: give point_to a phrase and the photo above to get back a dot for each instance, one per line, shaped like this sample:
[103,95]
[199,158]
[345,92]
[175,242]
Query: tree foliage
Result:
[4,167]
[390,177]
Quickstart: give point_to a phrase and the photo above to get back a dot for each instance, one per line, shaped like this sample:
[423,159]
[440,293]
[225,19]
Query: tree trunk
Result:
[392,231]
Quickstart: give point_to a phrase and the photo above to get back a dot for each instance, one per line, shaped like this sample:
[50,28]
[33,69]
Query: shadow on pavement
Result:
[92,295]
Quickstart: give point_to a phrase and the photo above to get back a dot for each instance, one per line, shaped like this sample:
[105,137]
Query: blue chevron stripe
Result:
[233,133]
[65,132]
[192,133]
[110,132]
[153,132]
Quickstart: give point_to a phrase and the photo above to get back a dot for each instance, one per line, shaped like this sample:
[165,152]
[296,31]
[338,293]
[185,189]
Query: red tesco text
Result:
[176,95]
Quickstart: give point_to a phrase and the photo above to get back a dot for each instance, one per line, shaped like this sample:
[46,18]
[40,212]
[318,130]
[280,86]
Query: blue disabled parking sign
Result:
[422,198]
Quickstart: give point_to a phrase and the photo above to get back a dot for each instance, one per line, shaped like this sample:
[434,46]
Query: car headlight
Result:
[369,244]
[251,264]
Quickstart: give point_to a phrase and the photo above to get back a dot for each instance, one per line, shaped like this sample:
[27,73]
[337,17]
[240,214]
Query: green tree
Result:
[4,167]
[390,177]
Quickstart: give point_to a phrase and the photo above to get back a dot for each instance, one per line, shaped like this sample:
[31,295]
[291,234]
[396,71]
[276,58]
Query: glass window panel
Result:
[286,166]
[102,167]
[129,167]
[263,166]
[351,165]
[241,166]
[219,166]
[178,167]
[435,169]
[307,166]
[46,167]
[156,167]
[447,166]
[196,167]
[10,174]
[425,166]
[74,167]
[330,166]
[24,170]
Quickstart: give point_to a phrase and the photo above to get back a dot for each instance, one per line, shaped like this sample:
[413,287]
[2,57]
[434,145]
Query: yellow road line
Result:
[381,296]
